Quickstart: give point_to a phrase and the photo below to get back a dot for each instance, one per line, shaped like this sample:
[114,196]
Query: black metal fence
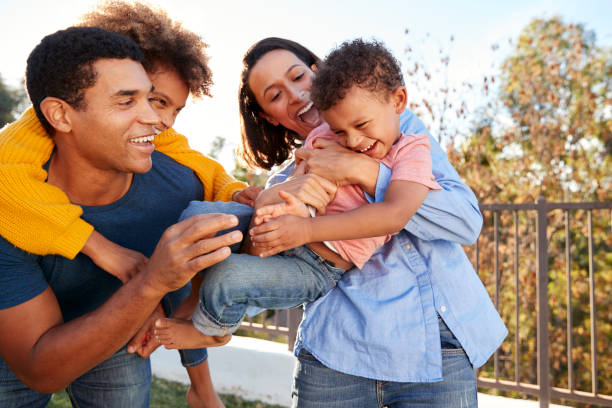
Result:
[285,323]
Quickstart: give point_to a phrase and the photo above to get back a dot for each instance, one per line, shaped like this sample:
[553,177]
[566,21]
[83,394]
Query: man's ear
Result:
[270,119]
[400,99]
[56,113]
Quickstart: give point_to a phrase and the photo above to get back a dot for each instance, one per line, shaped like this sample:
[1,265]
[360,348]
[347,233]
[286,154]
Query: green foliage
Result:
[10,101]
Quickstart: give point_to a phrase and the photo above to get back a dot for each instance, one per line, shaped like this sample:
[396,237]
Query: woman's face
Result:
[281,84]
[169,95]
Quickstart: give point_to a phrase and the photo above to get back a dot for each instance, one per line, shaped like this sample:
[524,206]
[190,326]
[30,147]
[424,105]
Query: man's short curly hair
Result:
[368,65]
[165,43]
[61,66]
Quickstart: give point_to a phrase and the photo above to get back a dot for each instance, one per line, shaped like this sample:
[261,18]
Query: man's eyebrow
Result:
[130,92]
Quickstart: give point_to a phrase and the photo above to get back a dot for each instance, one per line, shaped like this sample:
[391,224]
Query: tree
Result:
[11,102]
[550,131]
[547,132]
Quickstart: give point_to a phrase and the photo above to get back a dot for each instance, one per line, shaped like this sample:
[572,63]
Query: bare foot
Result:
[195,401]
[180,334]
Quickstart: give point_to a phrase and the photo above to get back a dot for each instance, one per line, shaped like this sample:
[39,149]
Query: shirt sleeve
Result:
[452,213]
[412,161]
[21,278]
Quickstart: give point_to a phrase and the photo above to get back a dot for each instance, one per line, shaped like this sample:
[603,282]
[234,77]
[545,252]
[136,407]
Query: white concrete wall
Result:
[263,370]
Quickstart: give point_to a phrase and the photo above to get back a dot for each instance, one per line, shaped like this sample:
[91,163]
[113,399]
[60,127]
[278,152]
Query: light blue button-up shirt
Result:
[380,322]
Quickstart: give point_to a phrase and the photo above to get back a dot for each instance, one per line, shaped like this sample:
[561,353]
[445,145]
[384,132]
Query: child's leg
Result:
[278,282]
[201,392]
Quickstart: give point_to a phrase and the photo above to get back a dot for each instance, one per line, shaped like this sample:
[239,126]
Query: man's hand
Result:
[291,205]
[188,247]
[280,234]
[247,196]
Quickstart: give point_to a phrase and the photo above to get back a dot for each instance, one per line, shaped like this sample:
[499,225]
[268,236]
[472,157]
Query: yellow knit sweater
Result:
[39,218]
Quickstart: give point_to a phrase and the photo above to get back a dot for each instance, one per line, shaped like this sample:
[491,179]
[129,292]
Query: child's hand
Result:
[123,263]
[144,342]
[247,196]
[280,234]
[291,205]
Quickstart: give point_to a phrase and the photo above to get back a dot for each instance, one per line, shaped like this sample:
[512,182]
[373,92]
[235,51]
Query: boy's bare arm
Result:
[119,261]
[402,200]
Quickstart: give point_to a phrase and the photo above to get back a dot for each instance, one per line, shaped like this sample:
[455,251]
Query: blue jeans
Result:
[121,381]
[281,281]
[316,386]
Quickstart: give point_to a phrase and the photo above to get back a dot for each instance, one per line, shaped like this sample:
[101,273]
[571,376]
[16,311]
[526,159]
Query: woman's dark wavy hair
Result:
[263,144]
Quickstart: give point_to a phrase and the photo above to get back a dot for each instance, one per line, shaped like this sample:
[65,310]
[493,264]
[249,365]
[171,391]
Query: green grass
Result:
[169,394]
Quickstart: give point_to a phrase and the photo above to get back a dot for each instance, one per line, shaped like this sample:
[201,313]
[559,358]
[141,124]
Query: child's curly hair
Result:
[164,42]
[368,65]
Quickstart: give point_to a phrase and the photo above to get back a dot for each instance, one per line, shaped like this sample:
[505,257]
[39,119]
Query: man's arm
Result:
[47,354]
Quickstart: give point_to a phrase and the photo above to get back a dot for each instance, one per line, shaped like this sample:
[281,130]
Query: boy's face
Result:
[365,122]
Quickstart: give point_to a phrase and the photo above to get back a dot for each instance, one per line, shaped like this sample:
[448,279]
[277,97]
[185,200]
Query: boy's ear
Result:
[56,113]
[400,99]
[268,118]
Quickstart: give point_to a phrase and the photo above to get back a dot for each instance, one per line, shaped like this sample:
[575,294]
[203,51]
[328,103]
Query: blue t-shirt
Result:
[136,221]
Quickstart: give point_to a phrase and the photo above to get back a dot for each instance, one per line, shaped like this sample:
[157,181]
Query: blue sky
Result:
[231,26]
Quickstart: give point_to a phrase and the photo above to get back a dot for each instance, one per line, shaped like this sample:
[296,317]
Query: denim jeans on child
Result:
[316,386]
[243,281]
[121,381]
[281,281]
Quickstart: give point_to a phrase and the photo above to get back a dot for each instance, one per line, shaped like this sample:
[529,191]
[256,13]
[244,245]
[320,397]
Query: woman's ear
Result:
[268,118]
[400,99]
[55,111]
[314,67]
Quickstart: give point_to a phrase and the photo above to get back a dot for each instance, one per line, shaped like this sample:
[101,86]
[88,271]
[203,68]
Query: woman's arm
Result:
[451,214]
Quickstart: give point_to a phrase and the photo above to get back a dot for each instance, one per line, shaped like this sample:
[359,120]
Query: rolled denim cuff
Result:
[208,327]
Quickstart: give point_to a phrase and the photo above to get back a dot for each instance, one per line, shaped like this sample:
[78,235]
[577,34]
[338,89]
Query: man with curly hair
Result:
[177,64]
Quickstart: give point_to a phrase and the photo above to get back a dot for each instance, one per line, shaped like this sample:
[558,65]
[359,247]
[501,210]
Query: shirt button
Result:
[407,246]
[443,309]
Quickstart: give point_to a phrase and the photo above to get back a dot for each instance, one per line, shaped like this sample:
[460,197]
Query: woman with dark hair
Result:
[408,327]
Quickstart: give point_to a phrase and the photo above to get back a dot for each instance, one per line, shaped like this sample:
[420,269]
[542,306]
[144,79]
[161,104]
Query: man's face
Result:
[116,129]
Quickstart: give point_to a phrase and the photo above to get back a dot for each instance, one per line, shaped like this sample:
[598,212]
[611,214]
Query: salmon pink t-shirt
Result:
[409,159]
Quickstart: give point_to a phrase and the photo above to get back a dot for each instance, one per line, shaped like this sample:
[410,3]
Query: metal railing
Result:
[543,389]
[285,323]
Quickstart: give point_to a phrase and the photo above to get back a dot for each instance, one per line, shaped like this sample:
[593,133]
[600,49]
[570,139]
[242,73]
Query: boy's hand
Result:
[144,342]
[247,196]
[121,262]
[280,234]
[291,205]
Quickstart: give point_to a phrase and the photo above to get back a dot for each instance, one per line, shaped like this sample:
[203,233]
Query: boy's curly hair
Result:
[164,42]
[368,65]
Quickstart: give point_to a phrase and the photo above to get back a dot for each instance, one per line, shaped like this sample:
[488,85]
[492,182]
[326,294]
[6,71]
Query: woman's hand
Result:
[335,162]
[310,189]
[247,196]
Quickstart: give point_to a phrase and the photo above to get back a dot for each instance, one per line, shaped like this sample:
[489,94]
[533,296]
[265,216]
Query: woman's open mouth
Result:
[309,115]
